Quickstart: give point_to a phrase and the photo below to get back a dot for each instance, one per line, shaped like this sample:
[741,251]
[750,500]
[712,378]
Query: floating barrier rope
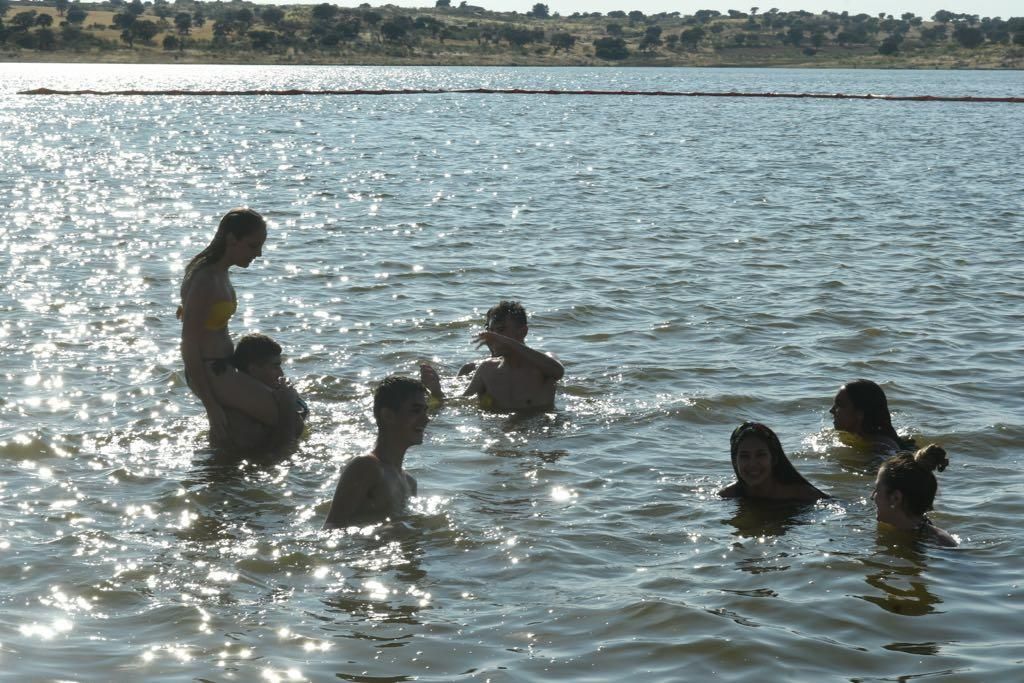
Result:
[490,91]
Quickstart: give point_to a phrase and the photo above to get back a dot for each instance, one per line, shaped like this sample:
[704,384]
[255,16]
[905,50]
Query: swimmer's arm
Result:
[411,482]
[350,497]
[291,422]
[478,385]
[432,381]
[546,364]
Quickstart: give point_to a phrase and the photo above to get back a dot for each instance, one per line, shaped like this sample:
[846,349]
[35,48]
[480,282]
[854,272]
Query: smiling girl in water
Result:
[763,470]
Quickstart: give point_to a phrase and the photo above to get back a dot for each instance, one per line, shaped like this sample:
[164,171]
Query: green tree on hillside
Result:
[968,36]
[61,6]
[539,11]
[610,48]
[562,41]
[77,16]
[272,16]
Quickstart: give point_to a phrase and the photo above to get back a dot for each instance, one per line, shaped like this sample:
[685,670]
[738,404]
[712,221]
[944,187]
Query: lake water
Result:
[693,262]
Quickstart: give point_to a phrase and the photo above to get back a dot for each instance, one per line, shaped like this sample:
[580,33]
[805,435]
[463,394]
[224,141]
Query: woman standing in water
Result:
[763,470]
[905,490]
[207,303]
[860,408]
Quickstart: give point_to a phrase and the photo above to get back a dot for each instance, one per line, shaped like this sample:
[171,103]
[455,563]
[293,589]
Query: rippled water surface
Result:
[693,262]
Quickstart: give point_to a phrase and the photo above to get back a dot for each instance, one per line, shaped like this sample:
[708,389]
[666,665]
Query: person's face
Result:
[268,371]
[886,501]
[243,251]
[506,327]
[845,417]
[409,422]
[754,461]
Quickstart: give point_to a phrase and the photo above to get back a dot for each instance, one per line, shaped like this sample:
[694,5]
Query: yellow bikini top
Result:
[220,313]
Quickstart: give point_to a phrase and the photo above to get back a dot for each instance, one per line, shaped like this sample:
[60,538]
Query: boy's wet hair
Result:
[254,348]
[505,310]
[912,475]
[393,392]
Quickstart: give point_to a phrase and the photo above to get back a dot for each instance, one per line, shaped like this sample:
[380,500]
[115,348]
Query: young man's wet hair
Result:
[506,310]
[254,348]
[393,392]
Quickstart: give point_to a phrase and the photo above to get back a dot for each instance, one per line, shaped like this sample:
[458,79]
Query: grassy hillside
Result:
[243,32]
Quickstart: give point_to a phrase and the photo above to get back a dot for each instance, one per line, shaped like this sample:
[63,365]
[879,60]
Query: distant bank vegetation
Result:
[195,31]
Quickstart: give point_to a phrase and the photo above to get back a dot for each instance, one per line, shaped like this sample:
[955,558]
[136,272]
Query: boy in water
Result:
[374,487]
[259,356]
[516,377]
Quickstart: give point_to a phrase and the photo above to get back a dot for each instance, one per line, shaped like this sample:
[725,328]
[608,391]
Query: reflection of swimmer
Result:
[207,303]
[860,408]
[905,490]
[374,487]
[762,468]
[517,377]
[259,356]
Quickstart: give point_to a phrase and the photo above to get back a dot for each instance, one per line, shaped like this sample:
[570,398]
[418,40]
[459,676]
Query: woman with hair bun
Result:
[860,408]
[207,303]
[763,470]
[905,490]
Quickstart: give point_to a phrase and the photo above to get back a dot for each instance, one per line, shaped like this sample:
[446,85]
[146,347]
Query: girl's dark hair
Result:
[240,222]
[912,475]
[782,469]
[869,399]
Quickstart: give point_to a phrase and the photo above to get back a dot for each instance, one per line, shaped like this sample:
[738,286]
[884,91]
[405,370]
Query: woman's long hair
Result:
[240,223]
[869,399]
[782,469]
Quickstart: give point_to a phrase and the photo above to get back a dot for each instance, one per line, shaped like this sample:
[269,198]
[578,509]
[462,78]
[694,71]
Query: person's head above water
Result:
[860,408]
[508,318]
[906,482]
[394,393]
[758,458]
[260,356]
[239,237]
[905,491]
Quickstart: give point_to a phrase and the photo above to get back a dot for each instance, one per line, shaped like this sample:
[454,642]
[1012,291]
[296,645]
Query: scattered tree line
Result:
[618,35]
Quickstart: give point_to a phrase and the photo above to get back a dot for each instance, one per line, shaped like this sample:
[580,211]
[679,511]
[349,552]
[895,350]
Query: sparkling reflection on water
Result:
[694,263]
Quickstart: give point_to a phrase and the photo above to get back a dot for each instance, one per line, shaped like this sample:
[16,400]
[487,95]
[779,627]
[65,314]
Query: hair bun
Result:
[933,457]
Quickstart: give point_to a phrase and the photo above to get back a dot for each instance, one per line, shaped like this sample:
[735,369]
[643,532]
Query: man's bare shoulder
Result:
[362,466]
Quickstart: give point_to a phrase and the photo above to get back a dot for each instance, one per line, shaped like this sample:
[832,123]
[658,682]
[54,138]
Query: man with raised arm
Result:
[375,487]
[516,377]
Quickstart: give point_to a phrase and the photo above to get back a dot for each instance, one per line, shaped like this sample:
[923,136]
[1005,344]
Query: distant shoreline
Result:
[154,58]
[54,31]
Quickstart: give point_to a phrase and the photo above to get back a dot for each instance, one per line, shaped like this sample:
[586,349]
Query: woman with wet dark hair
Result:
[763,470]
[905,491]
[860,408]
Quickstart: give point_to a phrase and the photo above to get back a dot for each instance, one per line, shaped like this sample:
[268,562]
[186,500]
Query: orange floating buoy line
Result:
[517,91]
